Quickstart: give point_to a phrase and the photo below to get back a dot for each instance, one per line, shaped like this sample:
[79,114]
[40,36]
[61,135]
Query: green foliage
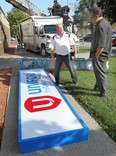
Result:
[103,109]
[84,49]
[81,16]
[14,17]
[109,9]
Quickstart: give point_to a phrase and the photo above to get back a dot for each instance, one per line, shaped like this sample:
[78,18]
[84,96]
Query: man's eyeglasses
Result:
[92,17]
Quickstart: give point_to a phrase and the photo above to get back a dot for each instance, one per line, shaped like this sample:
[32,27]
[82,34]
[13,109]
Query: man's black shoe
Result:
[102,95]
[57,83]
[76,83]
[96,88]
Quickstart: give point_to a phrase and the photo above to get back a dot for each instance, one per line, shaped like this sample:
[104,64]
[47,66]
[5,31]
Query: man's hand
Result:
[75,55]
[52,55]
[75,51]
[98,52]
[53,60]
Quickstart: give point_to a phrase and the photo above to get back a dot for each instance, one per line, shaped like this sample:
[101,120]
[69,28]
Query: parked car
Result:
[114,42]
[13,38]
[88,38]
[113,34]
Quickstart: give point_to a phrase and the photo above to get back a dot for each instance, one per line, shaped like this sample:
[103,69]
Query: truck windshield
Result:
[65,29]
[51,29]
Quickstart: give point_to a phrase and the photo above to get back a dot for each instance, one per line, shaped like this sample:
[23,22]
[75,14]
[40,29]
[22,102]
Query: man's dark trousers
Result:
[99,66]
[68,61]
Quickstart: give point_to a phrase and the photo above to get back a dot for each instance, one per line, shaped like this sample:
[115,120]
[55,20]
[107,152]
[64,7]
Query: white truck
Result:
[36,32]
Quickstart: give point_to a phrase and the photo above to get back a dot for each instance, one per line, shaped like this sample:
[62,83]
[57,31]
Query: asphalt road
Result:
[113,51]
[85,44]
[89,44]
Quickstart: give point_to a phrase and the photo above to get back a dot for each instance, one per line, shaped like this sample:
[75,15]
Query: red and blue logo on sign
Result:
[41,103]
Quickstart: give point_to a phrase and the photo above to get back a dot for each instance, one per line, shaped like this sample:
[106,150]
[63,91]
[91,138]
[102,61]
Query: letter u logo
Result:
[41,103]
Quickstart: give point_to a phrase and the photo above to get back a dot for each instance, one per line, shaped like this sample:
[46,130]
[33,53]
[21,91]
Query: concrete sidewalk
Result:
[99,143]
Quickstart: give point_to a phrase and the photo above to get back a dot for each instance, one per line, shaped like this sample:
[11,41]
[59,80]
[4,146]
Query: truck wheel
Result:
[18,47]
[26,48]
[43,52]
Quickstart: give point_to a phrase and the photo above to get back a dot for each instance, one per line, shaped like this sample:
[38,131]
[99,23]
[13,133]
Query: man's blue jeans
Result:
[68,62]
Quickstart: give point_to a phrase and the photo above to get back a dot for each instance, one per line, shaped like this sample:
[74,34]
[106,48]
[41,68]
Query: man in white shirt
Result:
[61,44]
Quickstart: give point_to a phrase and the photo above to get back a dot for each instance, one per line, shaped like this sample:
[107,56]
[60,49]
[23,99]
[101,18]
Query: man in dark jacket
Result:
[100,49]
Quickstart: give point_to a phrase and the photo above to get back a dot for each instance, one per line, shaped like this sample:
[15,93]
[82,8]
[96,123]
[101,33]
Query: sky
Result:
[41,4]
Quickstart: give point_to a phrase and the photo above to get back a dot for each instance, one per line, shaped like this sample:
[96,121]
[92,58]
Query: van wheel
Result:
[43,52]
[26,48]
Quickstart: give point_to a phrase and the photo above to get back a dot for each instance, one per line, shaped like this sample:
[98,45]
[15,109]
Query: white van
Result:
[37,31]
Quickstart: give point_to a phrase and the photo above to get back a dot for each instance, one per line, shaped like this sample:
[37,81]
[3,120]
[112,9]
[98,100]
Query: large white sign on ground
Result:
[46,117]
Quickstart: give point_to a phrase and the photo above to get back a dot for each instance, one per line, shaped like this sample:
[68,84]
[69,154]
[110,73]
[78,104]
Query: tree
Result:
[109,9]
[81,16]
[14,17]
[57,10]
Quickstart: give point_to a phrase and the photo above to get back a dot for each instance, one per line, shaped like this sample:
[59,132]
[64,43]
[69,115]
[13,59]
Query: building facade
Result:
[4,32]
